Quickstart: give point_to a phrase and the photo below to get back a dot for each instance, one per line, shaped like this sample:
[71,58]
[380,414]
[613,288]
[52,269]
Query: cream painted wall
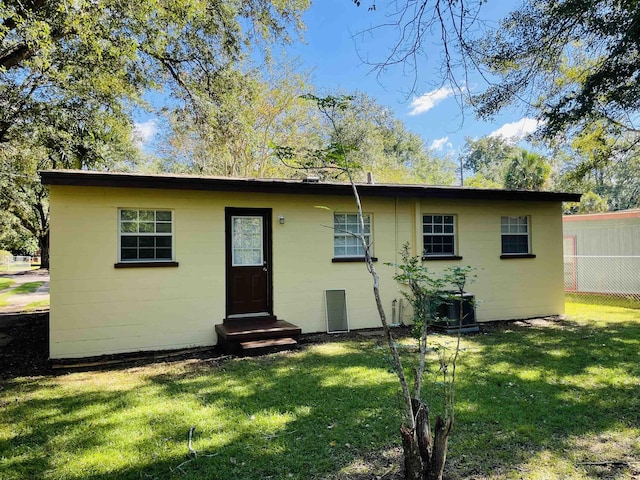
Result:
[98,309]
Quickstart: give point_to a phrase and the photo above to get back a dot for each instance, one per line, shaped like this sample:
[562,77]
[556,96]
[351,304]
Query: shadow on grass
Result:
[533,390]
[521,391]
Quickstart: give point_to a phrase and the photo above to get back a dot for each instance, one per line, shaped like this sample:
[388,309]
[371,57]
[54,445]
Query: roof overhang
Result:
[85,178]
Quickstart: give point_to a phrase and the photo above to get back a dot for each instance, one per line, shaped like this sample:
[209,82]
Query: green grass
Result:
[36,305]
[537,401]
[6,283]
[28,287]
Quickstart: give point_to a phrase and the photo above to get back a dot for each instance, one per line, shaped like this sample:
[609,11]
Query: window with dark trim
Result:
[346,230]
[145,235]
[438,235]
[515,235]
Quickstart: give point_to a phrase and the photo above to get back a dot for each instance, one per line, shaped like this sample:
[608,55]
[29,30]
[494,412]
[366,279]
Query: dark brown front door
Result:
[248,245]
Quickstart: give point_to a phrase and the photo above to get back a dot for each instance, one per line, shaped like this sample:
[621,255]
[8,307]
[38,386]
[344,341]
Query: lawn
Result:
[534,400]
[28,287]
[6,283]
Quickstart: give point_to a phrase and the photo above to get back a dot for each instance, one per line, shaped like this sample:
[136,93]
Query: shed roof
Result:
[588,217]
[88,178]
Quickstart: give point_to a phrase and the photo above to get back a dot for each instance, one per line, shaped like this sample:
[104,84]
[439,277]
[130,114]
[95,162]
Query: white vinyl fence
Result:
[602,275]
[14,264]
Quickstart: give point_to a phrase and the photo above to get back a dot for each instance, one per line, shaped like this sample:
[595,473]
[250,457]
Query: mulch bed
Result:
[26,352]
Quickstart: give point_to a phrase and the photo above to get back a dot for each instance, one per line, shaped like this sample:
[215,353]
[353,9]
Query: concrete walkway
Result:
[18,302]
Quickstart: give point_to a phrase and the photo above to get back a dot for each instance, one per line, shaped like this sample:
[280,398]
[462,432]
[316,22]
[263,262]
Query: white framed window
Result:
[438,235]
[346,232]
[515,235]
[145,235]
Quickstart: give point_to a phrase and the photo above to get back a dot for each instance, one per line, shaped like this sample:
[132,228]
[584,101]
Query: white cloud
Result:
[516,131]
[440,143]
[426,102]
[145,131]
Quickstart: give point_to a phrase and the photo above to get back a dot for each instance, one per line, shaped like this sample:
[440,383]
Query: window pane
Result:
[129,227]
[247,240]
[147,215]
[163,242]
[427,219]
[448,219]
[146,227]
[146,253]
[448,229]
[163,253]
[129,254]
[353,251]
[129,241]
[518,244]
[163,227]
[128,215]
[146,242]
[163,216]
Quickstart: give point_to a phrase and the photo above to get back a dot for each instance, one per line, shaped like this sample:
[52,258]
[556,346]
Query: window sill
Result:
[517,255]
[144,264]
[428,258]
[351,259]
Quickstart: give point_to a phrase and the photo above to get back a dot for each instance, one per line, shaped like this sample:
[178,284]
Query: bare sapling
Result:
[424,451]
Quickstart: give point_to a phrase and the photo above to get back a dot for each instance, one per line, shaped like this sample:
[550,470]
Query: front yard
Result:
[538,399]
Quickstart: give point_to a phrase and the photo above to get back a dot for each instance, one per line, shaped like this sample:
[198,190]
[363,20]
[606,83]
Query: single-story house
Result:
[602,252]
[151,262]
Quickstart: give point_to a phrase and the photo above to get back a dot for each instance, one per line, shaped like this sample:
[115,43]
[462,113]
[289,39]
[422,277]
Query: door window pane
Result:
[247,241]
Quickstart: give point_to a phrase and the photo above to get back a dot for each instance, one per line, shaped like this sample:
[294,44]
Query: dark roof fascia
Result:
[219,184]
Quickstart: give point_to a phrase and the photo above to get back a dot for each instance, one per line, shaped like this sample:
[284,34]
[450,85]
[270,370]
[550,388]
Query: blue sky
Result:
[333,52]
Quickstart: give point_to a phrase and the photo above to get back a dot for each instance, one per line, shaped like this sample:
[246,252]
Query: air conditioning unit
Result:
[449,314]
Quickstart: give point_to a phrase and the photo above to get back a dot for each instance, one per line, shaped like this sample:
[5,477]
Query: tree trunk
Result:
[439,455]
[43,244]
[413,464]
[424,455]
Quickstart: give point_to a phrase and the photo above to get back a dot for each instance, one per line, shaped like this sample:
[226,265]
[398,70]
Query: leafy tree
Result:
[382,145]
[590,202]
[235,140]
[527,171]
[63,138]
[488,157]
[605,164]
[71,74]
[14,237]
[581,58]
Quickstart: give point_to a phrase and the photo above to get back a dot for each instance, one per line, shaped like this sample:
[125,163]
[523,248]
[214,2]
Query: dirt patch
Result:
[26,346]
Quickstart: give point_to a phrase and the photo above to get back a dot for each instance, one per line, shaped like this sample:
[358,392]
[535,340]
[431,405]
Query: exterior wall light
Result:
[281,219]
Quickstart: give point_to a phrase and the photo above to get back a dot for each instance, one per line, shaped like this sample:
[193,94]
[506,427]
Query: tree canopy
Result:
[72,74]
[577,61]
